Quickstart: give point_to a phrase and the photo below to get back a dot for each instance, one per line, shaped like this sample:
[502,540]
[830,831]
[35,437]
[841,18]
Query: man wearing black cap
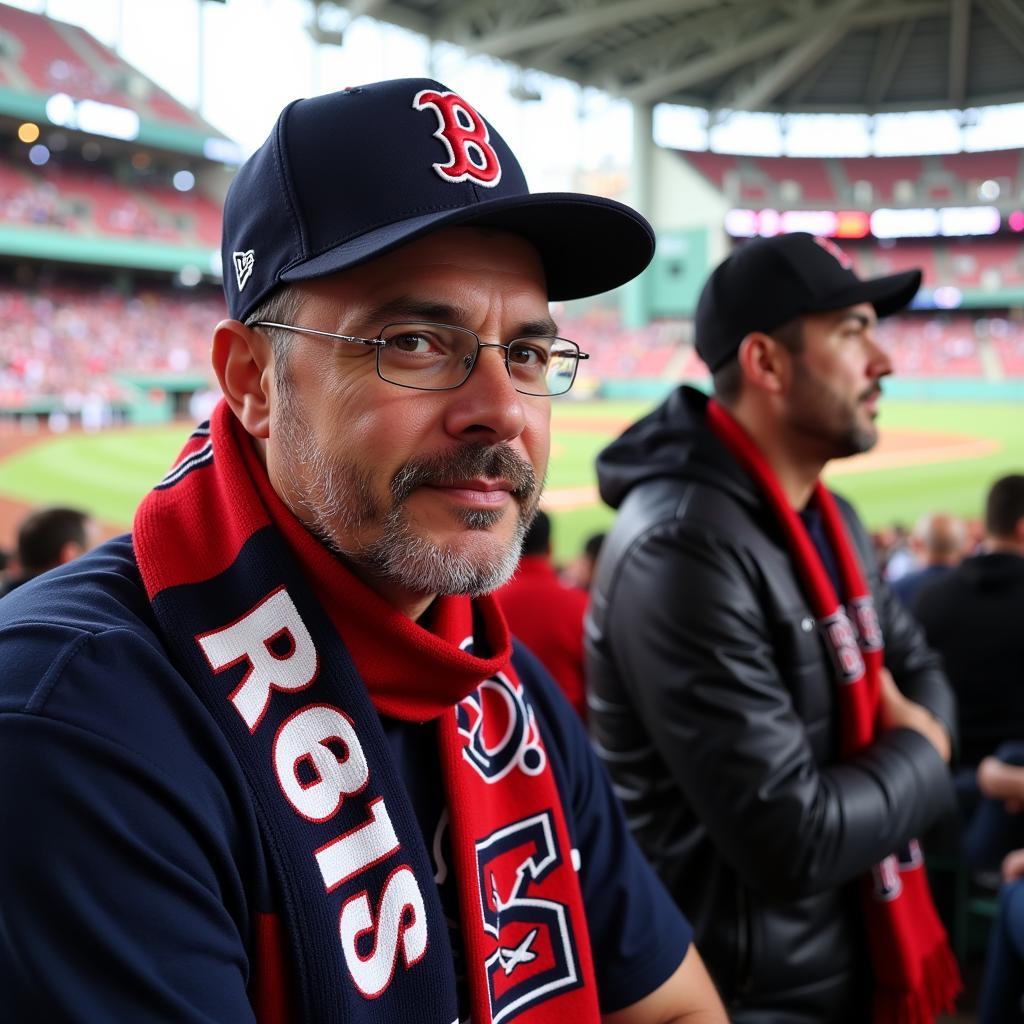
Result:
[273,757]
[742,652]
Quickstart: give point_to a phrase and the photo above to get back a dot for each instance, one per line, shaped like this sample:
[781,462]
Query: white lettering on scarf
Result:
[319,762]
[274,640]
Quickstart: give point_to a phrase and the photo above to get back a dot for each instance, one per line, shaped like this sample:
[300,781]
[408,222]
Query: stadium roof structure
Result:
[853,56]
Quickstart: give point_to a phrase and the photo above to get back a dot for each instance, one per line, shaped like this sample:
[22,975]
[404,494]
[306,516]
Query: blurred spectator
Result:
[47,538]
[73,343]
[972,616]
[546,614]
[996,832]
[580,571]
[899,559]
[937,543]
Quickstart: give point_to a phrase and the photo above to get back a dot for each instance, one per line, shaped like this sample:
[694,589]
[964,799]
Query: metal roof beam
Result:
[800,59]
[392,13]
[1006,11]
[888,59]
[959,28]
[506,44]
[1004,17]
[912,11]
[725,58]
[714,28]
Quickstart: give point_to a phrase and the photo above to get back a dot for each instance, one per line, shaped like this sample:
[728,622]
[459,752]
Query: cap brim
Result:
[887,294]
[587,244]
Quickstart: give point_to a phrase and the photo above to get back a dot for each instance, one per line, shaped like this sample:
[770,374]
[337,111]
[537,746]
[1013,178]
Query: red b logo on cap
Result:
[465,135]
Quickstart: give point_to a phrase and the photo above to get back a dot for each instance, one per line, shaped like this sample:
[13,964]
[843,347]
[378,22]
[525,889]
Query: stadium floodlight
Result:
[224,151]
[93,117]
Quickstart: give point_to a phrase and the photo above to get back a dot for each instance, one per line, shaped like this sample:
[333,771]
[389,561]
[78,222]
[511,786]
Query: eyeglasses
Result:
[436,357]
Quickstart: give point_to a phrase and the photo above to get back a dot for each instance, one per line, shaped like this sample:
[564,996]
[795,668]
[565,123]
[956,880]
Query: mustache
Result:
[875,391]
[466,462]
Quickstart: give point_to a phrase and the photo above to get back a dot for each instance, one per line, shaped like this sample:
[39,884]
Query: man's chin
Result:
[463,561]
[858,441]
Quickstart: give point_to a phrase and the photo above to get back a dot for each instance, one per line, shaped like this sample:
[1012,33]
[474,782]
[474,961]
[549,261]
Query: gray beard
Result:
[402,556]
[337,498]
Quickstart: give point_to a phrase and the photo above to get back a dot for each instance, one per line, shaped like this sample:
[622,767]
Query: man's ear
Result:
[764,362]
[244,364]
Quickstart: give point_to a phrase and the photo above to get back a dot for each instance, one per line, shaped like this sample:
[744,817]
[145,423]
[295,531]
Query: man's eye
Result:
[414,342]
[528,355]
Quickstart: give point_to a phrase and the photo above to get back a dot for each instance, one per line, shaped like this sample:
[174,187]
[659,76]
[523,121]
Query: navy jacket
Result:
[132,878]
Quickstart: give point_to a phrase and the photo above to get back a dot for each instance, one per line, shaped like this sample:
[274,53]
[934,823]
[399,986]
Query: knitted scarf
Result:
[296,660]
[916,974]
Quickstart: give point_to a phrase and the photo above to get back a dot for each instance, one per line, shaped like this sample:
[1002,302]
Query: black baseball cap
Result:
[351,175]
[769,281]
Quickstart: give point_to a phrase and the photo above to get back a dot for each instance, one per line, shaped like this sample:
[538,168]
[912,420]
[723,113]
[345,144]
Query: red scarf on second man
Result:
[916,974]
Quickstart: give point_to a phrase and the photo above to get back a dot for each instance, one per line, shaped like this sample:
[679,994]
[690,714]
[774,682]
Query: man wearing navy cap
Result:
[742,652]
[274,756]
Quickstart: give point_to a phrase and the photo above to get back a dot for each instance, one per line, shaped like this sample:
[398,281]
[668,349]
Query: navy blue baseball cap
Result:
[769,281]
[349,176]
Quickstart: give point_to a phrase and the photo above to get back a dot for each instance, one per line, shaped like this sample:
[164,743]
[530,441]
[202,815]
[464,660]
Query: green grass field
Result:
[108,473]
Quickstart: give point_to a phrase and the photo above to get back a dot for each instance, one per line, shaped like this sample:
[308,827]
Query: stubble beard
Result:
[821,412]
[335,498]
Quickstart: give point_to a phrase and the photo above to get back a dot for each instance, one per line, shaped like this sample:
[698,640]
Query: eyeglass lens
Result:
[437,357]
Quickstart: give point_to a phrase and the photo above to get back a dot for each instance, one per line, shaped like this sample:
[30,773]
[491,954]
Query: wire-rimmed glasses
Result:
[439,357]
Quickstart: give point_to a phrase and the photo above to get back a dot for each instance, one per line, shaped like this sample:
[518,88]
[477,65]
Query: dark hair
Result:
[592,545]
[1004,507]
[728,378]
[538,536]
[43,534]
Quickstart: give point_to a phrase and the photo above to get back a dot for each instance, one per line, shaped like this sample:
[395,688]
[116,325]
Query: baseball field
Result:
[932,456]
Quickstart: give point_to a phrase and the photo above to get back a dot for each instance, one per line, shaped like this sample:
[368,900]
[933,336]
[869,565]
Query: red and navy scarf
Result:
[916,974]
[296,660]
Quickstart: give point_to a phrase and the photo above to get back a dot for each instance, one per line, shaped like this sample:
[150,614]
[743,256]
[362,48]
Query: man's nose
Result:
[487,406]
[879,361]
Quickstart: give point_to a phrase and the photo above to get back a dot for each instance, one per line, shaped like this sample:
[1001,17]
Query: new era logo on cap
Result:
[244,262]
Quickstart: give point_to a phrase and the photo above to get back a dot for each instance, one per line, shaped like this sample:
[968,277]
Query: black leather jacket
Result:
[712,704]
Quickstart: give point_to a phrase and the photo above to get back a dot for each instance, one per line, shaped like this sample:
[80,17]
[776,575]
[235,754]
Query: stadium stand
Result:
[889,180]
[89,200]
[132,329]
[108,273]
[861,182]
[70,341]
[38,54]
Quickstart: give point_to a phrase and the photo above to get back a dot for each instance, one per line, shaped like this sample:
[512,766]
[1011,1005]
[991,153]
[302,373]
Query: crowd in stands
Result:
[66,342]
[921,345]
[62,341]
[90,202]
